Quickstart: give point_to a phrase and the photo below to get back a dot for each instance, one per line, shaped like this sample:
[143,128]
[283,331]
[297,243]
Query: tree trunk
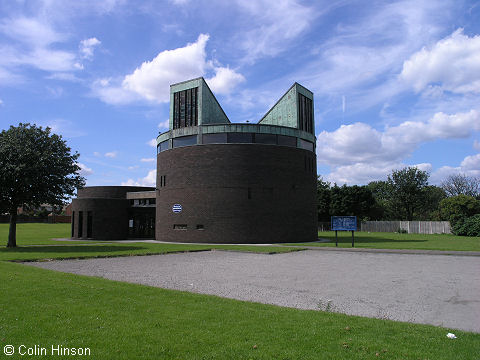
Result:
[12,232]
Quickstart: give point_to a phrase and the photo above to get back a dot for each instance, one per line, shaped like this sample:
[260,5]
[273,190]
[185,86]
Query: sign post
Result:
[344,223]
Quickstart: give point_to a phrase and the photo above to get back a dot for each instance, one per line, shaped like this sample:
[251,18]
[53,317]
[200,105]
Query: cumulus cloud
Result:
[87,47]
[225,80]
[149,180]
[111,154]
[470,166]
[453,63]
[363,173]
[84,169]
[358,152]
[152,143]
[360,142]
[152,79]
[147,160]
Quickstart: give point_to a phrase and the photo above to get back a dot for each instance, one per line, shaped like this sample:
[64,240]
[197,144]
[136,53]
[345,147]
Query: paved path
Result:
[430,289]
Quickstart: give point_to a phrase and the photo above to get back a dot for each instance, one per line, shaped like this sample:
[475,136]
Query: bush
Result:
[469,227]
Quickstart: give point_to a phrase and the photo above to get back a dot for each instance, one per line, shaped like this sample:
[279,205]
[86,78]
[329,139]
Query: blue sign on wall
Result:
[177,208]
[346,223]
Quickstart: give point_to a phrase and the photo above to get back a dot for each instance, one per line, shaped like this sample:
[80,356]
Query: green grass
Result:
[36,234]
[34,243]
[400,241]
[126,321]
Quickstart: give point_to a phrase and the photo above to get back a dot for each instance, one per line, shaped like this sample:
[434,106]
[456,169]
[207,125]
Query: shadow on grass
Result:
[70,249]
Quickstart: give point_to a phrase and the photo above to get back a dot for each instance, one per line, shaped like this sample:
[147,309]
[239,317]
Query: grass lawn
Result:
[400,241]
[34,243]
[126,321]
[117,320]
[36,233]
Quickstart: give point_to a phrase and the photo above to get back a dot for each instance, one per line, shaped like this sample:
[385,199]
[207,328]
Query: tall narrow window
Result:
[80,224]
[73,224]
[89,224]
[185,108]
[305,114]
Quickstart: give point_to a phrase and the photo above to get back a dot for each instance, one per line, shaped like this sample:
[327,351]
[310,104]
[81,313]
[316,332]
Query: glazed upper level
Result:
[197,118]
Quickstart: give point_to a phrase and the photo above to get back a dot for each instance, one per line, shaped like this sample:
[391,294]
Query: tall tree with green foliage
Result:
[36,167]
[407,187]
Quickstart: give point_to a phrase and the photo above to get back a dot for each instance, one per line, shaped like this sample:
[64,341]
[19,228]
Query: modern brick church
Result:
[217,181]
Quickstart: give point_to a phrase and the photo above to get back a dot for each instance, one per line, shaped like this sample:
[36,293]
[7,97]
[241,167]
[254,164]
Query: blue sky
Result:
[396,83]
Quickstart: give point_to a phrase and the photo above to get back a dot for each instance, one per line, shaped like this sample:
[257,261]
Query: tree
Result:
[323,200]
[36,167]
[458,208]
[429,208]
[460,184]
[381,192]
[407,191]
[354,201]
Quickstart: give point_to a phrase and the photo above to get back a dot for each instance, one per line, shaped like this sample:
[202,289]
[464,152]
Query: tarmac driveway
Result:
[430,289]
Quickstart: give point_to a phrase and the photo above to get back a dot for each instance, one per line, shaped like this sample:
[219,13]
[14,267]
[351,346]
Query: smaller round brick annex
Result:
[103,212]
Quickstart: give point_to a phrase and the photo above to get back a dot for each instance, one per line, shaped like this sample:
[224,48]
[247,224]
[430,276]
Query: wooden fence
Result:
[411,227]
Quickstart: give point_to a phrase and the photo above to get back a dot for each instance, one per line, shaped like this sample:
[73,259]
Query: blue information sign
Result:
[345,223]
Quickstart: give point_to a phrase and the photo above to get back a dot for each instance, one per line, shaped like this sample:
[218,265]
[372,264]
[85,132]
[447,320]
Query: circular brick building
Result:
[217,181]
[222,182]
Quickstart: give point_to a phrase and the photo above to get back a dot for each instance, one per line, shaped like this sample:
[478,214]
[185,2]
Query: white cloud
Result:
[30,31]
[470,166]
[153,78]
[164,125]
[152,143]
[453,62]
[149,180]
[111,154]
[147,160]
[279,23]
[225,80]
[358,152]
[113,94]
[87,47]
[471,163]
[33,46]
[1,102]
[84,170]
[360,142]
[364,55]
[363,173]
[133,167]
[151,81]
